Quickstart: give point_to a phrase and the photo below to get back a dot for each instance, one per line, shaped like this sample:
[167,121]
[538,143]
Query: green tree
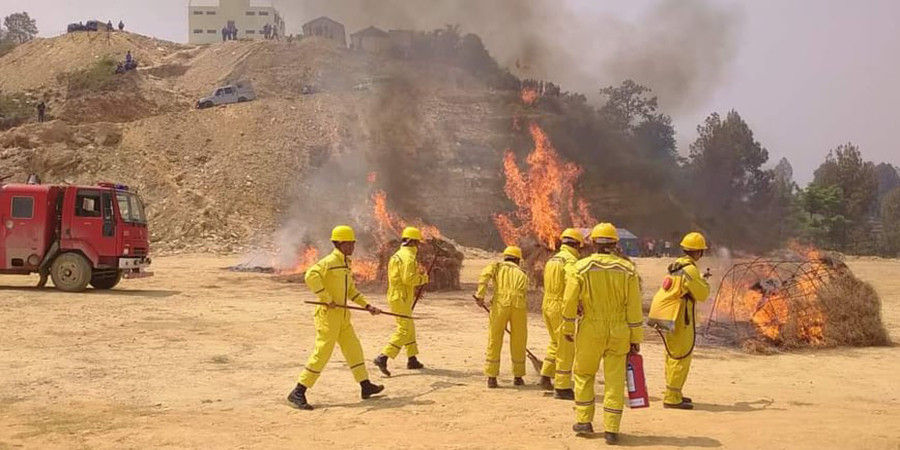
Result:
[20,28]
[845,168]
[732,193]
[823,222]
[888,179]
[632,112]
[890,220]
[626,104]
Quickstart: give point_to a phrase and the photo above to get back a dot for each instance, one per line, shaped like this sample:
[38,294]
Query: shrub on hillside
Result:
[15,109]
[100,76]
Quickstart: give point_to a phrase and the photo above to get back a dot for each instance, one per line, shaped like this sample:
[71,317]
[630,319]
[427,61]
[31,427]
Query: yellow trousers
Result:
[560,352]
[405,334]
[552,320]
[601,341]
[517,319]
[334,327]
[680,342]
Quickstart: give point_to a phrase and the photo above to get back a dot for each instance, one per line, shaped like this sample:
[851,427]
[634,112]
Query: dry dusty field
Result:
[202,358]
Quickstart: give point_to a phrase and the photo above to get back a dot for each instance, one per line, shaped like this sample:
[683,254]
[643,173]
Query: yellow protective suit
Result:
[680,341]
[560,352]
[608,289]
[403,279]
[331,280]
[508,306]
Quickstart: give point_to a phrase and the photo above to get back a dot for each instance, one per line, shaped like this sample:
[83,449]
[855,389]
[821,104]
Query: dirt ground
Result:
[198,357]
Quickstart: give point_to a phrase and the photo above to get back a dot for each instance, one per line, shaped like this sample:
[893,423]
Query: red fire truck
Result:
[76,235]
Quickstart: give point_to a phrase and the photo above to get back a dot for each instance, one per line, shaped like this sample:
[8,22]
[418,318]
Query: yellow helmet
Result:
[573,234]
[343,233]
[411,233]
[513,251]
[605,233]
[693,242]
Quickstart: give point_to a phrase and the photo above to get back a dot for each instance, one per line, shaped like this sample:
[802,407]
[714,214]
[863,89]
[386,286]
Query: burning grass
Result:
[806,300]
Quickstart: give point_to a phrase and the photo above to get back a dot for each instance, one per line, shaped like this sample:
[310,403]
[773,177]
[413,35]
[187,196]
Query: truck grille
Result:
[138,251]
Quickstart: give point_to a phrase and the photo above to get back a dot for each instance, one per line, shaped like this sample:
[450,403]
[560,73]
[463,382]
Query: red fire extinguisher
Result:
[637,384]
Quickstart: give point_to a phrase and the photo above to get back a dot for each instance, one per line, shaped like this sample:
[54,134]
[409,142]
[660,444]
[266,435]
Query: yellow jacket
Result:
[403,275]
[555,276]
[510,284]
[332,281]
[694,284]
[608,288]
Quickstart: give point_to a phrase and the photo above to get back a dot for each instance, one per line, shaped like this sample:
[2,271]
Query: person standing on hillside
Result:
[41,109]
[331,280]
[224,33]
[607,289]
[558,362]
[682,287]
[508,306]
[121,26]
[403,280]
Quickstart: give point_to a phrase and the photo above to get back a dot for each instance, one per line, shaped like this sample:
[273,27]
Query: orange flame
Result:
[529,95]
[364,270]
[542,196]
[306,257]
[390,225]
[771,306]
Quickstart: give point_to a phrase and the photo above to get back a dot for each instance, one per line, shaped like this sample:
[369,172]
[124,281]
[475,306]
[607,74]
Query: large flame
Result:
[771,305]
[544,196]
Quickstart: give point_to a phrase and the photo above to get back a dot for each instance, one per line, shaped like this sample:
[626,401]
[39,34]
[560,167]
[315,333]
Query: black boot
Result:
[682,405]
[583,429]
[297,397]
[381,362]
[611,438]
[413,364]
[564,394]
[686,400]
[518,381]
[492,383]
[369,389]
[547,383]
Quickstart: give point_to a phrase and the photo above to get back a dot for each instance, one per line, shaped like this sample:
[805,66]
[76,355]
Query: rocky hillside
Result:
[233,176]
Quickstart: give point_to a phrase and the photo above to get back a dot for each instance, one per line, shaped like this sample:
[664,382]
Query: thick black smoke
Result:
[680,48]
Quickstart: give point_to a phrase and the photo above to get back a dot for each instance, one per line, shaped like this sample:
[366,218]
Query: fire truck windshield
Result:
[131,208]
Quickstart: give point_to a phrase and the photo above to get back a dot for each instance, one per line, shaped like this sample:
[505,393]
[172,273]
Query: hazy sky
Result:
[808,75]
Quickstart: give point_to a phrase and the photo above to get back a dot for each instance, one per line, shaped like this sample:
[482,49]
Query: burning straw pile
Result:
[809,301]
[438,255]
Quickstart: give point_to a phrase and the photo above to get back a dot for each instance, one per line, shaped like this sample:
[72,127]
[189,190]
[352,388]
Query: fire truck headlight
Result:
[125,251]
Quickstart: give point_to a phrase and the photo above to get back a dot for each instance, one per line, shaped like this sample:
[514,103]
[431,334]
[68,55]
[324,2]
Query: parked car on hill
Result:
[231,93]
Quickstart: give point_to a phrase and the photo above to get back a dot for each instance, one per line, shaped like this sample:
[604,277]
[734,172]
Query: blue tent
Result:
[629,243]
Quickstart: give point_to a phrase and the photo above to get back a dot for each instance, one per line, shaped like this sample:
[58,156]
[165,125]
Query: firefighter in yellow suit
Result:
[508,306]
[607,288]
[331,281]
[679,343]
[560,352]
[403,279]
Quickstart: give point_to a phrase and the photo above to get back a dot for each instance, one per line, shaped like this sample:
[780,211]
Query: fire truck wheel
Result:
[106,280]
[70,272]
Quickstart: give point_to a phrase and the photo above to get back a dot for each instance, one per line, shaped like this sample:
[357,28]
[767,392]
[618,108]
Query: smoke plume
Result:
[680,48]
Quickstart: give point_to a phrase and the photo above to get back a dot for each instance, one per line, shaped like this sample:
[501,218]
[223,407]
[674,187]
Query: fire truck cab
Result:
[76,235]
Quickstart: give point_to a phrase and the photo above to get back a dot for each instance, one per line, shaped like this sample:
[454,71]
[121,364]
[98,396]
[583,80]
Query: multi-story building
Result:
[207,18]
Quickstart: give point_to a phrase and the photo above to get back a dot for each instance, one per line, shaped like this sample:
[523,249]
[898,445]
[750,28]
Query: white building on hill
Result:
[207,18]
